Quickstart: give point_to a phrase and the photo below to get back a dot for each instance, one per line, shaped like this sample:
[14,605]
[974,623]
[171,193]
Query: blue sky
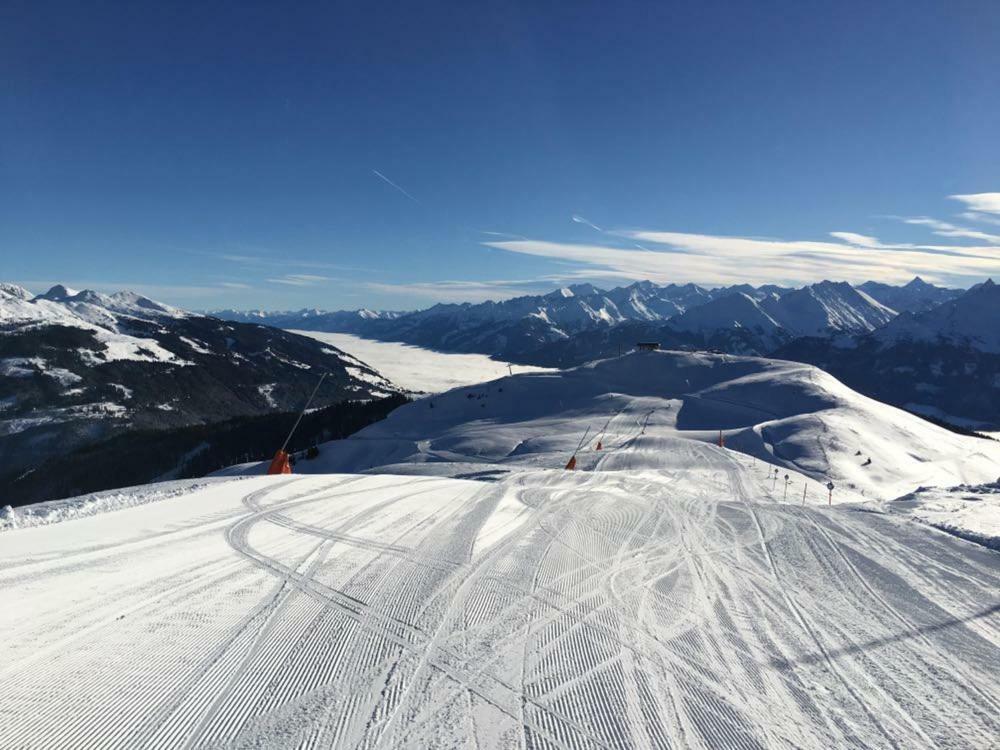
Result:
[392,155]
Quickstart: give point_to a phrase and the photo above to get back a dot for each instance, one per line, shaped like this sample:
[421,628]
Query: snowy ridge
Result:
[972,319]
[827,307]
[734,311]
[915,296]
[793,416]
[526,328]
[105,315]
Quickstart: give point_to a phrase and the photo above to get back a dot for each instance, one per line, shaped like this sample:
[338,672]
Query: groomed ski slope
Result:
[663,596]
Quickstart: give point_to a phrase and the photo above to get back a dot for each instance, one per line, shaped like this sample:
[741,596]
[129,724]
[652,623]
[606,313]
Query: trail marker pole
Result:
[829,486]
[785,496]
[510,369]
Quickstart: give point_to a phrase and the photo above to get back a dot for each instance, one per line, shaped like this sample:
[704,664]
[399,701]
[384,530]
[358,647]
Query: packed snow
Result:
[968,511]
[467,590]
[793,416]
[416,369]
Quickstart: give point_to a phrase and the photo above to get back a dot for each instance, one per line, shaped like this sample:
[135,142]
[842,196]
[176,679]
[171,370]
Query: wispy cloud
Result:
[714,259]
[387,181]
[981,218]
[861,240]
[946,229]
[277,259]
[985,203]
[301,279]
[467,291]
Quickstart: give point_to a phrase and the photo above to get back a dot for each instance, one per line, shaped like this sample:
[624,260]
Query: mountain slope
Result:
[789,414]
[827,307]
[915,296]
[78,367]
[737,313]
[971,319]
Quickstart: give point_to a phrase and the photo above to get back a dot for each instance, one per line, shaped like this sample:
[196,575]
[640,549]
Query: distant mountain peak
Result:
[59,292]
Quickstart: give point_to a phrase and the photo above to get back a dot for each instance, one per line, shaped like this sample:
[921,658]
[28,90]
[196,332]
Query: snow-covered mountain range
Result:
[759,317]
[943,362]
[970,319]
[80,366]
[868,335]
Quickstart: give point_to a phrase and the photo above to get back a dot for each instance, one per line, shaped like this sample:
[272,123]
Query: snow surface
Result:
[968,511]
[668,593]
[416,369]
[676,609]
[793,416]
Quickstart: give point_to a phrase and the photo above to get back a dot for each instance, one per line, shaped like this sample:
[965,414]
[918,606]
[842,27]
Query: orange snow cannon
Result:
[280,464]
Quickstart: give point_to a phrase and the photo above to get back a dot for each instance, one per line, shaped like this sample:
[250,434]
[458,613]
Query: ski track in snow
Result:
[682,607]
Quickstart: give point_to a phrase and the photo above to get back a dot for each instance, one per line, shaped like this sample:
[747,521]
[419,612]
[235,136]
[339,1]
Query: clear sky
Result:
[390,155]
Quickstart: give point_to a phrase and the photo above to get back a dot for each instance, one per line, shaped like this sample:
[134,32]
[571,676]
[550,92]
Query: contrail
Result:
[503,234]
[393,184]
[581,220]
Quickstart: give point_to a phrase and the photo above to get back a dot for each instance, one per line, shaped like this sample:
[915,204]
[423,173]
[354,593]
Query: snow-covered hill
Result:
[793,416]
[77,367]
[666,593]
